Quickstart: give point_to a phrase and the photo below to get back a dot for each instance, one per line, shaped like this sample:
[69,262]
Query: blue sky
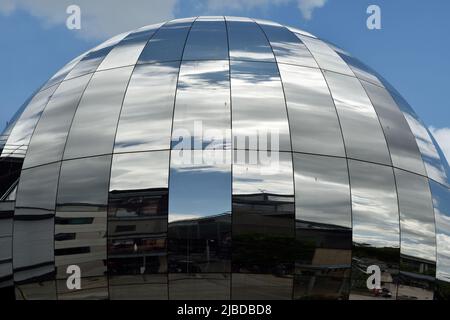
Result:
[411,50]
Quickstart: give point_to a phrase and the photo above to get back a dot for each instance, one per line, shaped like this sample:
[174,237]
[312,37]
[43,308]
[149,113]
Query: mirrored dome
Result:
[221,158]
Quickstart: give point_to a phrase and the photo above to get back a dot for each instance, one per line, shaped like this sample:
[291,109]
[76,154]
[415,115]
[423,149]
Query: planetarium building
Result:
[221,158]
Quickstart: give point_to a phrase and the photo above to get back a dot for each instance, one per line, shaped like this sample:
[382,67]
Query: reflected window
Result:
[167,43]
[137,214]
[33,231]
[358,118]
[256,86]
[146,118]
[207,41]
[402,145]
[312,115]
[263,213]
[323,227]
[376,234]
[51,132]
[247,41]
[286,46]
[98,114]
[202,116]
[81,220]
[199,212]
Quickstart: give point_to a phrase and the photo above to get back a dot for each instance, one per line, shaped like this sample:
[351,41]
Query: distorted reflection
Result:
[33,232]
[286,46]
[63,72]
[250,286]
[51,132]
[167,43]
[441,202]
[199,286]
[263,221]
[247,41]
[80,225]
[376,238]
[256,86]
[146,117]
[402,145]
[137,222]
[207,40]
[435,164]
[361,70]
[19,138]
[105,91]
[418,237]
[323,227]
[127,51]
[358,118]
[313,119]
[326,57]
[199,214]
[92,59]
[202,110]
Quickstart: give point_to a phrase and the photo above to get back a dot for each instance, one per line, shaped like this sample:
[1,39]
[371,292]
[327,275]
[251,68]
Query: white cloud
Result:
[102,18]
[99,18]
[308,6]
[442,136]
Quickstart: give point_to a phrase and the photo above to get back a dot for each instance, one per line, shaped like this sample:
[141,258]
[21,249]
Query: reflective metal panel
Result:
[259,117]
[247,41]
[363,135]
[417,236]
[138,287]
[199,212]
[402,145]
[376,234]
[90,62]
[168,42]
[323,225]
[360,70]
[146,118]
[33,259]
[51,132]
[200,286]
[17,143]
[80,225]
[127,52]
[137,220]
[98,114]
[263,221]
[250,286]
[326,57]
[286,46]
[312,115]
[312,287]
[441,202]
[435,163]
[202,116]
[63,72]
[207,41]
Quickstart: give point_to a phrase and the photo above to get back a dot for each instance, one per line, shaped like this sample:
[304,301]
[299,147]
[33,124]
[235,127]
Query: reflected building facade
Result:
[92,173]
